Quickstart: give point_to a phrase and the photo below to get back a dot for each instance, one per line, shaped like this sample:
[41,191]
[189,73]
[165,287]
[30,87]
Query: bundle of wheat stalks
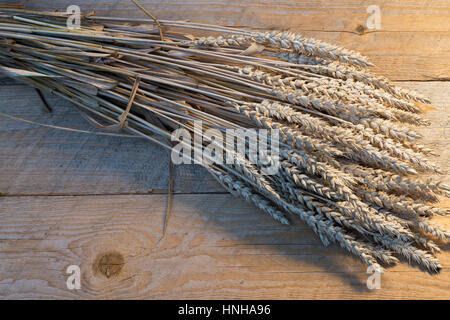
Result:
[349,159]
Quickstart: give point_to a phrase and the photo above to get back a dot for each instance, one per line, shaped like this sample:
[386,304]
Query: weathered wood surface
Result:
[71,198]
[412,44]
[41,161]
[215,247]
[37,160]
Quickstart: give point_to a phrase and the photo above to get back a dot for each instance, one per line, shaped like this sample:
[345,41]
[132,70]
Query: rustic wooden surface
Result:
[72,198]
[412,44]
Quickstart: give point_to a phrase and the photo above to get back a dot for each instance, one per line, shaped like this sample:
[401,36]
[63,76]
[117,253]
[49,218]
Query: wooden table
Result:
[99,202]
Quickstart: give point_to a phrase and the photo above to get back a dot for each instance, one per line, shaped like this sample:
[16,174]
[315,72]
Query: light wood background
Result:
[99,202]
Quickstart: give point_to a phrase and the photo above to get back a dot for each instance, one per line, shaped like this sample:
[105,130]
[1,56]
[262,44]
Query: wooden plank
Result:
[215,247]
[437,135]
[400,56]
[340,15]
[42,161]
[412,44]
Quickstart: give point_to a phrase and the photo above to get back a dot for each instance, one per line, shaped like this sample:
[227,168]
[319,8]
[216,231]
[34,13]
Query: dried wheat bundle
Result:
[349,161]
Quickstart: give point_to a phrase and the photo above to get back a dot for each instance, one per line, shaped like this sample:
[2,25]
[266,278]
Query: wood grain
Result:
[42,161]
[72,198]
[215,247]
[412,44]
[340,15]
